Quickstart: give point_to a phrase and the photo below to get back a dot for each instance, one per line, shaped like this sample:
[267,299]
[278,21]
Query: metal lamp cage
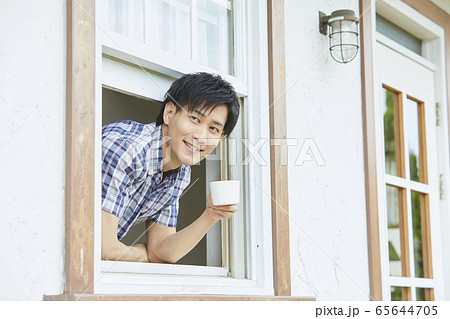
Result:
[339,48]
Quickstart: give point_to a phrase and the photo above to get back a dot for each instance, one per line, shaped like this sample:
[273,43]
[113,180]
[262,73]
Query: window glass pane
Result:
[169,26]
[417,234]
[118,14]
[213,35]
[214,244]
[394,238]
[424,294]
[396,293]
[412,126]
[389,131]
[420,294]
[138,20]
[398,34]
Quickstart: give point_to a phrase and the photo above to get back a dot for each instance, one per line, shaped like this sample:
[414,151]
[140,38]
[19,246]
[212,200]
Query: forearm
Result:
[122,252]
[175,246]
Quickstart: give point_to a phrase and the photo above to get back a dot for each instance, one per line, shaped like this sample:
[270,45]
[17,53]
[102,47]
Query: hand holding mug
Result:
[223,199]
[219,212]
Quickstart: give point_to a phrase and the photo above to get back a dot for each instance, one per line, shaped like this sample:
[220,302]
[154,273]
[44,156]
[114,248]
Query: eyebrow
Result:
[198,112]
[203,114]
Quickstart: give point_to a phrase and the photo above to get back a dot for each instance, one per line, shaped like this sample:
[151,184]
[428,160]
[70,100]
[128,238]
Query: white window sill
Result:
[142,278]
[160,269]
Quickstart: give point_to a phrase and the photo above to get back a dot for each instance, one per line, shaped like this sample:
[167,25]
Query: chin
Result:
[191,159]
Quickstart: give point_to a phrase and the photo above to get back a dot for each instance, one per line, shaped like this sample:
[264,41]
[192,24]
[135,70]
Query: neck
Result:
[171,164]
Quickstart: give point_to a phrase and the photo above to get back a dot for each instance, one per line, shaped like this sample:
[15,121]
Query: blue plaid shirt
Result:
[133,187]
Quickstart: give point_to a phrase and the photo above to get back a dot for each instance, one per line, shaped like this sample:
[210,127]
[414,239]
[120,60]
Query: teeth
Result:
[192,146]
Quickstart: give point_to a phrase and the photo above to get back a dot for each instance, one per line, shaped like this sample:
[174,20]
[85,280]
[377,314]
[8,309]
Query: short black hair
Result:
[203,91]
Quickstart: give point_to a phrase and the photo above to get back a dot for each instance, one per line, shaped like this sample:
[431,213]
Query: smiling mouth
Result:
[192,147]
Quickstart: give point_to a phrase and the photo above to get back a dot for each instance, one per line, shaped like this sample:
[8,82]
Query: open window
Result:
[145,45]
[117,106]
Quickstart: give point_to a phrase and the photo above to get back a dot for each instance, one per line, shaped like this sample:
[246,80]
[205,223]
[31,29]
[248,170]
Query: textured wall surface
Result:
[32,148]
[328,232]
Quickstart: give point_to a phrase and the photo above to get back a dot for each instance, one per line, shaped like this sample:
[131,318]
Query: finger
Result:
[219,215]
[226,207]
[209,201]
[223,206]
[233,210]
[225,214]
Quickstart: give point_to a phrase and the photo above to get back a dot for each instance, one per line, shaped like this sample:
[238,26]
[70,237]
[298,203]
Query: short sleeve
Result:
[167,216]
[117,174]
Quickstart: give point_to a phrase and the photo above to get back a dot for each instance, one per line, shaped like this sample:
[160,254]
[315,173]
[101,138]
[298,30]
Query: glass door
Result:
[411,183]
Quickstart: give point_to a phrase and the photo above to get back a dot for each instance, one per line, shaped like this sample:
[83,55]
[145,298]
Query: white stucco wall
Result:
[329,257]
[32,148]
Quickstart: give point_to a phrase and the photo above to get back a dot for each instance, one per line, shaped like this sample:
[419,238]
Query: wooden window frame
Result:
[423,164]
[80,156]
[403,196]
[399,129]
[367,27]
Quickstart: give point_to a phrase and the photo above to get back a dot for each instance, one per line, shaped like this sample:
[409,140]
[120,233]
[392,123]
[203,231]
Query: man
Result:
[146,167]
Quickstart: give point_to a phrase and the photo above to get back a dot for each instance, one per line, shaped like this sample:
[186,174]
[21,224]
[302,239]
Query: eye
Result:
[215,129]
[195,119]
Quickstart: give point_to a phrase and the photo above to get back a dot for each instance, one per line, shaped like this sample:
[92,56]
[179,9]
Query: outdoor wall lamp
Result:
[343,38]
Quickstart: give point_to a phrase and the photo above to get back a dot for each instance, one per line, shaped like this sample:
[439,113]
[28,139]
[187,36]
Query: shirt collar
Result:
[156,154]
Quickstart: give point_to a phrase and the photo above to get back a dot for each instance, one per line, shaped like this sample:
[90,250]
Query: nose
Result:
[201,135]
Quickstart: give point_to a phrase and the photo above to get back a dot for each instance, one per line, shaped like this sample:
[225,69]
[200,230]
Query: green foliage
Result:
[417,234]
[389,127]
[393,256]
[396,294]
[413,167]
[420,294]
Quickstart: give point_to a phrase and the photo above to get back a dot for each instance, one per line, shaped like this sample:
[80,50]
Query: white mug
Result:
[225,192]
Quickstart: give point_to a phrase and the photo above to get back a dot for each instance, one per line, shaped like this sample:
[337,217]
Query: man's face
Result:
[191,136]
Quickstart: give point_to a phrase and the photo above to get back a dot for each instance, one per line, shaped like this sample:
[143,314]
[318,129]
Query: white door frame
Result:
[433,57]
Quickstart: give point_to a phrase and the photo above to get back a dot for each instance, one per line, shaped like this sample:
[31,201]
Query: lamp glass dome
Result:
[343,38]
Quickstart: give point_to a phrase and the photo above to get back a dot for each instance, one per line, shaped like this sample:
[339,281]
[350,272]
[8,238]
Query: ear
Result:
[169,112]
